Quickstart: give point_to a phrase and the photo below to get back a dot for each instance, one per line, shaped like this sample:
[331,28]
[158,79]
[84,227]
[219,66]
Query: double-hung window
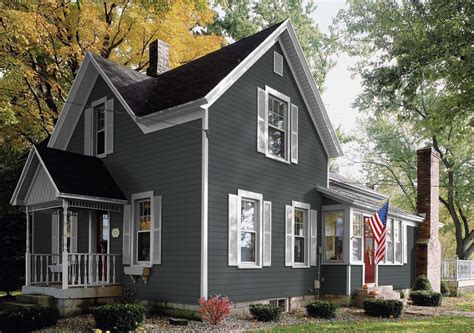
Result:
[389,241]
[357,232]
[334,235]
[394,244]
[300,234]
[99,128]
[143,230]
[277,131]
[250,221]
[397,238]
[99,112]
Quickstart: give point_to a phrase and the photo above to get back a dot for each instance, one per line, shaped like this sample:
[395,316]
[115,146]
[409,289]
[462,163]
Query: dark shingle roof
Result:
[183,84]
[79,174]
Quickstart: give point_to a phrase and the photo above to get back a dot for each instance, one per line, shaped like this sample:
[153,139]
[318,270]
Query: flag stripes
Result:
[378,225]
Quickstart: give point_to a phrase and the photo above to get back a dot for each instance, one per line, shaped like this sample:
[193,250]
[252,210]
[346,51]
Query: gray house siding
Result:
[356,278]
[83,231]
[76,145]
[167,162]
[401,277]
[41,235]
[234,164]
[333,279]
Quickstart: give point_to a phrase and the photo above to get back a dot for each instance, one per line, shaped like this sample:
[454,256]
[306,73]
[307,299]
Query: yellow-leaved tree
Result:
[43,42]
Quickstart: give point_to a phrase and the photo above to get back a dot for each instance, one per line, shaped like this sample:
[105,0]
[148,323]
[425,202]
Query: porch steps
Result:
[379,292]
[43,300]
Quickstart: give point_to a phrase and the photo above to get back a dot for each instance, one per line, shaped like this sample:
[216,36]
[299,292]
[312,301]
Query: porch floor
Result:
[56,291]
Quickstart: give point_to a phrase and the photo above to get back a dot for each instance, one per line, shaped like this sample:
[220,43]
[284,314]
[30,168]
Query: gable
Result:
[41,188]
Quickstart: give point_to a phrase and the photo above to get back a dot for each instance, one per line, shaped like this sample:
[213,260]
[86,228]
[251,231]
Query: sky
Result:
[341,87]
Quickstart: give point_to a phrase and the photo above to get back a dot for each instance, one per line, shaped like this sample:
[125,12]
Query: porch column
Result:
[65,264]
[27,253]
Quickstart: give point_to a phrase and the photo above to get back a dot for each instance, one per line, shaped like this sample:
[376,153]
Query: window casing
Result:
[249,231]
[300,235]
[143,231]
[334,235]
[278,128]
[357,234]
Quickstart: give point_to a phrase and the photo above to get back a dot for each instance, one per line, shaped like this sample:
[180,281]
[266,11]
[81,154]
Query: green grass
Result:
[14,293]
[433,324]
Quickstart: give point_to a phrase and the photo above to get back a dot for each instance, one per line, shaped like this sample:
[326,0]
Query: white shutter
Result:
[314,237]
[88,129]
[109,127]
[234,252]
[404,244]
[261,121]
[127,215]
[55,236]
[288,235]
[294,134]
[267,233]
[156,238]
[74,233]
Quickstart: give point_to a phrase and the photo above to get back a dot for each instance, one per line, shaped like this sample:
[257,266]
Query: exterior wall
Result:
[76,145]
[333,280]
[234,163]
[41,188]
[401,277]
[356,278]
[41,235]
[83,231]
[167,162]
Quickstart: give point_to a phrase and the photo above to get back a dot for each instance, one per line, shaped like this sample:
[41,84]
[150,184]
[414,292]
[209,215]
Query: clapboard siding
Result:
[76,144]
[334,280]
[356,278]
[401,277]
[234,163]
[167,162]
[42,189]
[83,231]
[41,235]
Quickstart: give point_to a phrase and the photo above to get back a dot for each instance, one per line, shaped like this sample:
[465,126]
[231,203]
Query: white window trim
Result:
[286,99]
[242,194]
[307,243]
[401,230]
[352,261]
[133,255]
[95,103]
[346,244]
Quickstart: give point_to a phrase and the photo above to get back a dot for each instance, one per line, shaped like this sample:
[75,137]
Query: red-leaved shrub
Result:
[215,309]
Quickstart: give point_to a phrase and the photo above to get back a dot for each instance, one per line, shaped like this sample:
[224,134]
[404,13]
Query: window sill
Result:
[300,266]
[278,159]
[391,264]
[335,263]
[249,266]
[101,155]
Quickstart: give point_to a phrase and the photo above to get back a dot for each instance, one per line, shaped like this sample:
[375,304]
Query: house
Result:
[210,178]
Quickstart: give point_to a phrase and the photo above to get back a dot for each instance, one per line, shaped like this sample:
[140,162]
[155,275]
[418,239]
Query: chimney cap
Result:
[428,149]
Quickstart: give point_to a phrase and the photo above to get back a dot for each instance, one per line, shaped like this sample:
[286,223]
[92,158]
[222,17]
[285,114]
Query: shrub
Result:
[422,283]
[385,308]
[265,312]
[426,298]
[322,309]
[28,319]
[446,291]
[215,309]
[119,317]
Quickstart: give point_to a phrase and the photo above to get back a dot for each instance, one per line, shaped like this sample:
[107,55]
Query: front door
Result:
[102,241]
[369,253]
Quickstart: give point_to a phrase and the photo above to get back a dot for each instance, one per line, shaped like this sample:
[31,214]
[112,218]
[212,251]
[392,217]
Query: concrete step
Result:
[381,292]
[42,300]
[378,289]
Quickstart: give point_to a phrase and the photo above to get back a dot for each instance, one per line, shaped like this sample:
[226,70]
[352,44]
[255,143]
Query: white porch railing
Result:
[457,270]
[84,269]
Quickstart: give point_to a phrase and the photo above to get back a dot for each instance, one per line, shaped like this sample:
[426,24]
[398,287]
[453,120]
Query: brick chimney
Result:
[159,58]
[428,248]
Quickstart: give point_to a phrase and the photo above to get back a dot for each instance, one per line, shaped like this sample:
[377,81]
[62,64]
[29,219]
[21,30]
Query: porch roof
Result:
[69,175]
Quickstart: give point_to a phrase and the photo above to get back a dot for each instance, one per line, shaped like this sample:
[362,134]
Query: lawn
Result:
[14,293]
[433,324]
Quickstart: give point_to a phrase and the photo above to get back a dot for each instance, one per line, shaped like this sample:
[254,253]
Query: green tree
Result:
[245,17]
[417,76]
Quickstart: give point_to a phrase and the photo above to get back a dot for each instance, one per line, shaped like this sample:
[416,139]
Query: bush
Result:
[422,283]
[385,308]
[28,319]
[119,317]
[215,309]
[446,291]
[426,298]
[265,312]
[322,309]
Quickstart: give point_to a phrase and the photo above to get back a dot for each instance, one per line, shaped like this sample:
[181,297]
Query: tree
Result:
[42,44]
[245,17]
[417,77]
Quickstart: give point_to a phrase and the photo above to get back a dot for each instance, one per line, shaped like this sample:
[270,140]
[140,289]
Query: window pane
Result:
[144,215]
[100,142]
[299,222]
[299,249]
[247,215]
[389,253]
[398,252]
[277,113]
[357,224]
[334,232]
[396,231]
[357,249]
[143,246]
[247,246]
[276,142]
[389,229]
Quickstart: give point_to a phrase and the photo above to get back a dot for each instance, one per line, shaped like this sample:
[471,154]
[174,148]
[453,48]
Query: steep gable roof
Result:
[200,83]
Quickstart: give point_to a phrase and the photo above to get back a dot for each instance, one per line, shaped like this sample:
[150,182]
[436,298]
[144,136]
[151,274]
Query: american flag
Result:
[378,225]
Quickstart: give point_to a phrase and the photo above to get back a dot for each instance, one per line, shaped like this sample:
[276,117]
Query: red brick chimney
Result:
[159,61]
[428,248]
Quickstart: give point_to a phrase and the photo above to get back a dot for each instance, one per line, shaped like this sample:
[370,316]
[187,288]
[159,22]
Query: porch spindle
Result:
[65,254]
[27,253]
[113,276]
[41,268]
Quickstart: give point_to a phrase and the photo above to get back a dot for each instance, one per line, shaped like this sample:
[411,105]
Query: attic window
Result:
[278,63]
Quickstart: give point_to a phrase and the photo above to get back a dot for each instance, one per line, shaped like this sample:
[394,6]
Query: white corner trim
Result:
[99,101]
[348,287]
[204,204]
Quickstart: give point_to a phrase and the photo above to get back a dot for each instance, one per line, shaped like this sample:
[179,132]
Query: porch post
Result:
[65,264]
[27,252]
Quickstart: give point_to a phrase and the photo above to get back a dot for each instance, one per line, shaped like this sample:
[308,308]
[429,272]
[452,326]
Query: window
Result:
[301,220]
[143,230]
[397,238]
[357,232]
[394,246]
[99,112]
[334,235]
[248,231]
[277,131]
[389,245]
[277,127]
